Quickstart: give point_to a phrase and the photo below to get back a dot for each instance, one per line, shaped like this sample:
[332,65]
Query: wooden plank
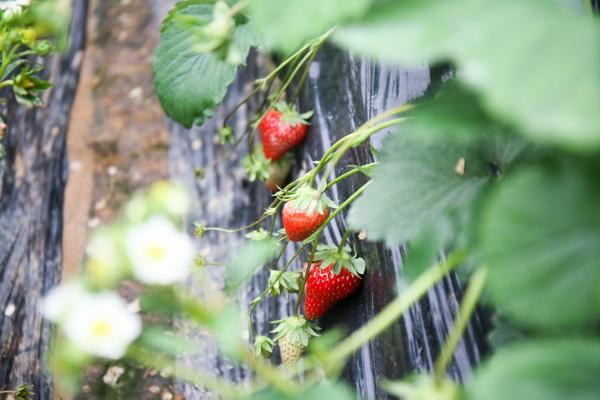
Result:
[32,180]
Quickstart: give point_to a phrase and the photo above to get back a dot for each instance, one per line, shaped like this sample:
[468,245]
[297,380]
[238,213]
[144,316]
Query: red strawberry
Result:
[282,129]
[304,213]
[334,276]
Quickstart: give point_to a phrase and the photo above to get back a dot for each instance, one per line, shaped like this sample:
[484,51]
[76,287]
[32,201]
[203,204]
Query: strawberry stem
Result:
[335,212]
[356,138]
[467,306]
[256,301]
[343,241]
[349,173]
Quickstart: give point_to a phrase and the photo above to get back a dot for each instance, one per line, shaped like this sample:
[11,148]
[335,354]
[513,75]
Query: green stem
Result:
[342,206]
[256,301]
[303,77]
[344,239]
[238,105]
[345,175]
[356,138]
[467,306]
[395,309]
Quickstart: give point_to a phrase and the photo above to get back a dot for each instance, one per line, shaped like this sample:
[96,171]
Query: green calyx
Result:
[263,346]
[296,329]
[257,167]
[290,115]
[289,281]
[311,200]
[339,258]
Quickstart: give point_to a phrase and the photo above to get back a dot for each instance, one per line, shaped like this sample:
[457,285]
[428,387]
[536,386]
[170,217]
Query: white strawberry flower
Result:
[13,8]
[58,302]
[159,253]
[101,325]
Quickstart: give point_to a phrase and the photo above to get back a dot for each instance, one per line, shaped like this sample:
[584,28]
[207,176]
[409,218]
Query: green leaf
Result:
[251,256]
[541,239]
[453,113]
[285,26]
[423,387]
[423,251]
[543,370]
[189,83]
[415,184]
[534,62]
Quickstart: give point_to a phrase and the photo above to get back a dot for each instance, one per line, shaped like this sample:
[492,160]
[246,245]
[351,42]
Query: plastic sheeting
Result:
[344,92]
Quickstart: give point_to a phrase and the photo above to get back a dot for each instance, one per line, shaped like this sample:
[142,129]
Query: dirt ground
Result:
[117,143]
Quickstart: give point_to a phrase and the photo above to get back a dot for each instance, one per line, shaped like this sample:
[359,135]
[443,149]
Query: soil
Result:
[117,143]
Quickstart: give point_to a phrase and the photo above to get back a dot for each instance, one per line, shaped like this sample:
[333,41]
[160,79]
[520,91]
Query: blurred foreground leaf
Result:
[541,239]
[544,370]
[535,63]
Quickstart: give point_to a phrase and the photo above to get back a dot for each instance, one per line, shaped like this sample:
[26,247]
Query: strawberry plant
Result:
[497,169]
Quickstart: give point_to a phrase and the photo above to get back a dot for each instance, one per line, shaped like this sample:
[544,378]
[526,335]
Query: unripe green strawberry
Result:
[291,350]
[293,334]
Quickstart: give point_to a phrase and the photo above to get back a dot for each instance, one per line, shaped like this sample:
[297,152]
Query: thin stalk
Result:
[357,138]
[335,212]
[233,230]
[303,76]
[395,309]
[238,105]
[344,239]
[467,306]
[348,174]
[256,301]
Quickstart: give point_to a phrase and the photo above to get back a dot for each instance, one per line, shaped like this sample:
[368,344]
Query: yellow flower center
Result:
[101,328]
[157,252]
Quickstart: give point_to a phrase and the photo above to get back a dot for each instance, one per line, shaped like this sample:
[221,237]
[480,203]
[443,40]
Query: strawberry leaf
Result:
[491,58]
[284,26]
[190,82]
[550,369]
[540,235]
[416,183]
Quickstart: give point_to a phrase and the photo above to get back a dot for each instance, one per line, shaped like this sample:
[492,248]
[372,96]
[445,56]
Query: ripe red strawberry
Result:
[306,210]
[334,276]
[282,129]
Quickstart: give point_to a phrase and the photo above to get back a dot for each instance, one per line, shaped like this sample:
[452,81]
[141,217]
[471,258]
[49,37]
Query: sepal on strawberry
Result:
[293,335]
[282,128]
[304,212]
[332,256]
[263,346]
[288,281]
[273,173]
[290,115]
[333,276]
